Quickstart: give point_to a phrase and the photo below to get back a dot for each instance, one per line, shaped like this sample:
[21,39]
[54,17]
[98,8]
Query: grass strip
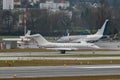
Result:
[45,50]
[26,50]
[70,55]
[12,63]
[109,77]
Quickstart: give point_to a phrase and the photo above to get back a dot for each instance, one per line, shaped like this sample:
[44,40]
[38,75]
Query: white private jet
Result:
[62,47]
[88,38]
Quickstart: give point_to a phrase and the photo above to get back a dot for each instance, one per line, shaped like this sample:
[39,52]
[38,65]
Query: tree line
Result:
[51,23]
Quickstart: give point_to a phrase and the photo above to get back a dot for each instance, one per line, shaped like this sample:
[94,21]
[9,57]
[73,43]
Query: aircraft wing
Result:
[79,40]
[67,49]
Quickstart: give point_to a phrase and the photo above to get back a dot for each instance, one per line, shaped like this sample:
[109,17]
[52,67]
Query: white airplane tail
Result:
[28,33]
[39,39]
[102,30]
[67,33]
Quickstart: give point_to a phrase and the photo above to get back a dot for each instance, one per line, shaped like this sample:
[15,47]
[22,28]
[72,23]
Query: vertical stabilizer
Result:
[67,33]
[103,28]
[28,33]
[39,39]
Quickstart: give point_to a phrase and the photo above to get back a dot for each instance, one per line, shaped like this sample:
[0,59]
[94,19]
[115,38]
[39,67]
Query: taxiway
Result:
[57,71]
[17,54]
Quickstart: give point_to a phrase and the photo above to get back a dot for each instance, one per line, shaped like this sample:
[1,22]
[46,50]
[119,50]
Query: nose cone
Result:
[95,46]
[59,40]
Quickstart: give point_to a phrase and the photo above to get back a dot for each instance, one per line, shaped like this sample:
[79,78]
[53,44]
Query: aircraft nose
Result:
[59,40]
[94,46]
[97,47]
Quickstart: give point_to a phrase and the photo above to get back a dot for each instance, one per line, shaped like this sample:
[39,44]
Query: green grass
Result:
[70,55]
[10,63]
[1,37]
[91,54]
[9,36]
[45,50]
[25,50]
[109,77]
[77,55]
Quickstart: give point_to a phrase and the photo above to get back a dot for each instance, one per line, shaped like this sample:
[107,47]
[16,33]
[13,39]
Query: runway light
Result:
[64,65]
[80,62]
[110,61]
[6,61]
[13,61]
[14,75]
[88,62]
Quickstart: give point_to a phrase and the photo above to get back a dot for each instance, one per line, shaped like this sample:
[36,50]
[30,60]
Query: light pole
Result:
[25,19]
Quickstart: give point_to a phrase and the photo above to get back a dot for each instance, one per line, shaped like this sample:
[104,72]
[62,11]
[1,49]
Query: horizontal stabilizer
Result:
[67,49]
[28,33]
[38,38]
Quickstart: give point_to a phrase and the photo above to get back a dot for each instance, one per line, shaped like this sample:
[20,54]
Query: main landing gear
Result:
[62,52]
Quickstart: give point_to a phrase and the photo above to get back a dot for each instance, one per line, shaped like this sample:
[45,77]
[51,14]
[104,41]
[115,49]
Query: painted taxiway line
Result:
[60,58]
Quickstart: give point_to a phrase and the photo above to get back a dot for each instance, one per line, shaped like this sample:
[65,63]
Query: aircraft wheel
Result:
[62,52]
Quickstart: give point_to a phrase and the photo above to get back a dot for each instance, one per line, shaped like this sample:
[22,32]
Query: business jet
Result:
[88,38]
[62,47]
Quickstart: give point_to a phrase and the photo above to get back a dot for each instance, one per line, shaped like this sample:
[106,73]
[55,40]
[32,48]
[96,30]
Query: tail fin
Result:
[67,33]
[28,33]
[103,29]
[39,39]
